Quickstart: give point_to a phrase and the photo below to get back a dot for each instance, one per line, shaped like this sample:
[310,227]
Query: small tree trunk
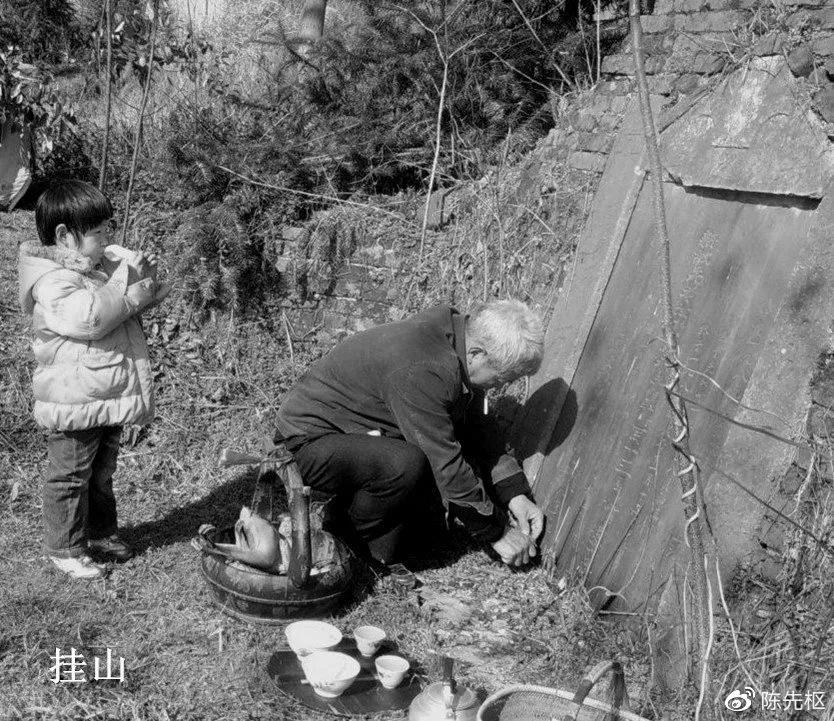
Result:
[102,171]
[311,28]
[139,122]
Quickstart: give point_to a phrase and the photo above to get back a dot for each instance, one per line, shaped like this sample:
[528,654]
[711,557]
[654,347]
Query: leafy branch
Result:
[27,101]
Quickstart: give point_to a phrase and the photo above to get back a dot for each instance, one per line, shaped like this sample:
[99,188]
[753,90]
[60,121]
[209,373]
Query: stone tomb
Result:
[749,207]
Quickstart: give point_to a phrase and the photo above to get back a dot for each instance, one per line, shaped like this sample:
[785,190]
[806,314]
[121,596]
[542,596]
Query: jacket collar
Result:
[63,256]
[456,334]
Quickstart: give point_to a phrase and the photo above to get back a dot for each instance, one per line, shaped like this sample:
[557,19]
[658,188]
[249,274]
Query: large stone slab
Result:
[752,134]
[575,312]
[752,285]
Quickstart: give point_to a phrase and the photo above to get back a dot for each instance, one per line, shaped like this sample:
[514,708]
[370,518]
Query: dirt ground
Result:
[218,386]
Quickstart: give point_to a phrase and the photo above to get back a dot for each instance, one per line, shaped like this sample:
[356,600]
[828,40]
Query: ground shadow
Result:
[441,548]
[220,508]
[429,545]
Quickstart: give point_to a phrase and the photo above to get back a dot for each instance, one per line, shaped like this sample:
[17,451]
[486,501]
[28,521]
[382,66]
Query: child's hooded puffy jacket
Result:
[92,357]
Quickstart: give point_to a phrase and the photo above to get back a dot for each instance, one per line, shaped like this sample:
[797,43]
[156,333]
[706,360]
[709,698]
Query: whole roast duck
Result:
[265,545]
[257,543]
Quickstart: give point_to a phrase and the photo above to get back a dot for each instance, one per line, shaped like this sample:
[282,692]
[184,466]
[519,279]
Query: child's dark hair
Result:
[78,205]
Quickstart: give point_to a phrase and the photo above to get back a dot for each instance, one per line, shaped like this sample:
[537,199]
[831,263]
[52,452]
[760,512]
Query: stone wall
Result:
[510,234]
[689,45]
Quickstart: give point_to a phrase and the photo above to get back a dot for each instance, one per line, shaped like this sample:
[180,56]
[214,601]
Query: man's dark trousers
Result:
[377,480]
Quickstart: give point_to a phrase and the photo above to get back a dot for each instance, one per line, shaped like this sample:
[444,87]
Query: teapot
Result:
[445,700]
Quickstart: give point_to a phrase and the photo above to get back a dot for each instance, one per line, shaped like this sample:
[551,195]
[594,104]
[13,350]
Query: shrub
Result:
[44,31]
[28,100]
[223,263]
[355,117]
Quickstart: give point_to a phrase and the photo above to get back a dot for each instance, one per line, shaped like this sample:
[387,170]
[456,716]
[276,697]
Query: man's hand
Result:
[528,516]
[514,547]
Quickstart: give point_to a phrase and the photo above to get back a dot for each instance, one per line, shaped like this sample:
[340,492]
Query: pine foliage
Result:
[222,262]
[356,117]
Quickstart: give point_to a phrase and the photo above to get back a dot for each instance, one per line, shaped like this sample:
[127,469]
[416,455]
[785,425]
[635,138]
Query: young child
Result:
[93,374]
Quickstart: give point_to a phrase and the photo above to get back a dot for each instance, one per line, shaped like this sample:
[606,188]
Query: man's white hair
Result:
[511,334]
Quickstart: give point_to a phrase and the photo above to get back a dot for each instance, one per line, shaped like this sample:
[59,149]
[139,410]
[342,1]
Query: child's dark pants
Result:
[78,500]
[380,481]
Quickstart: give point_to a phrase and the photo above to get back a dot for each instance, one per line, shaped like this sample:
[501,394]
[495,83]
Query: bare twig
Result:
[532,30]
[445,58]
[304,193]
[703,691]
[599,46]
[733,628]
[441,103]
[521,73]
[585,45]
[740,424]
[727,395]
[824,545]
[145,93]
[289,338]
[496,214]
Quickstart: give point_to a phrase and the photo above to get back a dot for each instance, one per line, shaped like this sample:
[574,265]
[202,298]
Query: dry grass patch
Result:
[218,385]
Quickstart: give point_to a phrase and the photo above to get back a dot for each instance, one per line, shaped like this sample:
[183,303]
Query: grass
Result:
[218,386]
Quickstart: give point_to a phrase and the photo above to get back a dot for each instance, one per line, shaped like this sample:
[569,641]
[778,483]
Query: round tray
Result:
[364,697]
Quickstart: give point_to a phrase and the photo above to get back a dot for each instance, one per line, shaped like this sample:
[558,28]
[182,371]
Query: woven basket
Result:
[540,703]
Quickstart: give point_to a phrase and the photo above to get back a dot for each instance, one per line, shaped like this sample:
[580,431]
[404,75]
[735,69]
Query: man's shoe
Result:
[402,576]
[397,573]
[79,567]
[111,547]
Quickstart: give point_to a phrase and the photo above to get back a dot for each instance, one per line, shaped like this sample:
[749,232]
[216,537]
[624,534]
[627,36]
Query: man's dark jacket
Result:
[408,380]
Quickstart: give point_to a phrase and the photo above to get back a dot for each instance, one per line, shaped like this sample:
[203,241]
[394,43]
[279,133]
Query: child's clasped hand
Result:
[146,264]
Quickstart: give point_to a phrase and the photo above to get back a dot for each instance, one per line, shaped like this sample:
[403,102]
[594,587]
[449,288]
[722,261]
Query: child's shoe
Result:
[79,567]
[111,547]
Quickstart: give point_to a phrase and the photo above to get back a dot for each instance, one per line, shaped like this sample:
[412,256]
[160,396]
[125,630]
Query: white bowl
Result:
[305,637]
[330,672]
[368,639]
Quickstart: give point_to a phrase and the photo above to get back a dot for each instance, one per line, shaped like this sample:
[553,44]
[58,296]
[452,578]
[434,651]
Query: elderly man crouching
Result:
[398,405]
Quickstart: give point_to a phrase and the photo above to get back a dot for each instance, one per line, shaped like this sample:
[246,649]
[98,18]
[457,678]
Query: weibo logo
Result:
[739,700]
